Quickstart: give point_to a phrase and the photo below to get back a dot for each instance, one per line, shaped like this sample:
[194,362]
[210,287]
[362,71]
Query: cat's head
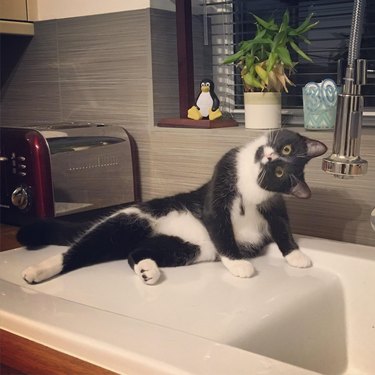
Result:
[282,161]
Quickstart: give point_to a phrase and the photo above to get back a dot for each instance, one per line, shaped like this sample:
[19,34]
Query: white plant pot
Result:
[262,110]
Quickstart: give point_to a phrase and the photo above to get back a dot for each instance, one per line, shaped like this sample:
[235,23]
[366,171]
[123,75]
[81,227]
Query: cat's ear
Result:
[301,190]
[315,148]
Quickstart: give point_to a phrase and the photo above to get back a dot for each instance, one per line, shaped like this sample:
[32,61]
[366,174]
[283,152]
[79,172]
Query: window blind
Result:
[231,21]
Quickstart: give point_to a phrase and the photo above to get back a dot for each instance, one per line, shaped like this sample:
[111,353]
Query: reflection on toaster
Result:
[62,169]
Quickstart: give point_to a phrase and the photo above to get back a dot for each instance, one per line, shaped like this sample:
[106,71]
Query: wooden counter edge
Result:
[31,358]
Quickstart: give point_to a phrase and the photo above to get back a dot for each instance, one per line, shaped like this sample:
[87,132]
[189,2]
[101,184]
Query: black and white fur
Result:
[230,218]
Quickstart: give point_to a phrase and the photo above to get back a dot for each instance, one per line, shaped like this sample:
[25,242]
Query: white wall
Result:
[53,9]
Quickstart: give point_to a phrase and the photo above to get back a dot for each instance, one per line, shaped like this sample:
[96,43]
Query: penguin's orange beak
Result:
[205,89]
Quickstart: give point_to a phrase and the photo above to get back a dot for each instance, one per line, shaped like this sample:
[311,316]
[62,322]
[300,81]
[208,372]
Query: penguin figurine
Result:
[206,104]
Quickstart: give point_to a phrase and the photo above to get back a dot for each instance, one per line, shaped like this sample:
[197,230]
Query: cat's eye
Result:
[287,150]
[279,172]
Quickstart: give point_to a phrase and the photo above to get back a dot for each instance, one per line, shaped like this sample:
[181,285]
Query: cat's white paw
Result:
[148,271]
[239,267]
[298,259]
[44,270]
[32,275]
[36,274]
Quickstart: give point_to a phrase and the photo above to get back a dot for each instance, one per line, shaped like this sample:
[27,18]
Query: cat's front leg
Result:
[218,222]
[238,267]
[281,233]
[290,250]
[223,238]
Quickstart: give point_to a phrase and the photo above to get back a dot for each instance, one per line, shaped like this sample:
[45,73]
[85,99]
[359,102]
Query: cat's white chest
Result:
[249,226]
[205,103]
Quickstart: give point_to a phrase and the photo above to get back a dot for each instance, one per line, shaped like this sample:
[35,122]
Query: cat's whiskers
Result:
[304,155]
[261,176]
[274,136]
[294,179]
[291,180]
[262,179]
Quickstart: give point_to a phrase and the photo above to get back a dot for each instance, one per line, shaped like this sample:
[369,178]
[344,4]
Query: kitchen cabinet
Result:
[14,17]
[13,10]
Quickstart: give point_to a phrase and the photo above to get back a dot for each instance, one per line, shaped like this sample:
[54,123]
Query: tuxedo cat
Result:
[230,218]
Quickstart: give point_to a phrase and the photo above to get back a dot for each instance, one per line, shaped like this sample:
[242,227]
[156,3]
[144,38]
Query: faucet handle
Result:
[357,74]
[361,72]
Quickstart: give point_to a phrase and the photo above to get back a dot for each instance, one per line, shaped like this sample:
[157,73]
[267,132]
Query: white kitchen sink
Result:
[202,320]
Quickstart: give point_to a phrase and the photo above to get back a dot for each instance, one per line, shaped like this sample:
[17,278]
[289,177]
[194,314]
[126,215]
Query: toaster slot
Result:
[69,144]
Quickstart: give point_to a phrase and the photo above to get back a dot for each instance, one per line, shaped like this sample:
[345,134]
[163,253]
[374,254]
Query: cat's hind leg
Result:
[45,270]
[111,239]
[161,251]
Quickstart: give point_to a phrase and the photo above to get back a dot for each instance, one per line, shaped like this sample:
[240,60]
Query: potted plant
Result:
[266,63]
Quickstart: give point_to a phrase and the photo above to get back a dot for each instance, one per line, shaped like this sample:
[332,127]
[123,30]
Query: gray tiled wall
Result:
[95,68]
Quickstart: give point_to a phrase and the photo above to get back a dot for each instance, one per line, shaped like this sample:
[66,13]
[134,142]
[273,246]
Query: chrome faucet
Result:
[345,160]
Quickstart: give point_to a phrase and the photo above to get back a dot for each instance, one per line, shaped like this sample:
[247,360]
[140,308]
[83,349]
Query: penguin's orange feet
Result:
[213,115]
[194,114]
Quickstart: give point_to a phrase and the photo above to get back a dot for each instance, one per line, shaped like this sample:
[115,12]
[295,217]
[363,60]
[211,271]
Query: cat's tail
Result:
[50,232]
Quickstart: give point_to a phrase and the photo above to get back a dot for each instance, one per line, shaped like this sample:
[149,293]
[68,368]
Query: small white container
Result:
[262,110]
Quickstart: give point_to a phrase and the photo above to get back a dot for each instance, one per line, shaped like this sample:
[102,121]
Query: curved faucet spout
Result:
[345,160]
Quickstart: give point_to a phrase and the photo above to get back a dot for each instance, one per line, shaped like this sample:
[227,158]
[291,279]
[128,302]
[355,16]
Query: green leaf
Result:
[262,41]
[246,45]
[260,34]
[284,56]
[235,57]
[279,41]
[230,60]
[285,21]
[267,25]
[249,61]
[304,24]
[271,61]
[286,18]
[304,39]
[309,27]
[299,51]
[251,81]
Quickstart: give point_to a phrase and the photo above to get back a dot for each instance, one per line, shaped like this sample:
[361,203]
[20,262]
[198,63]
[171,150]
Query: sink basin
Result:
[202,320]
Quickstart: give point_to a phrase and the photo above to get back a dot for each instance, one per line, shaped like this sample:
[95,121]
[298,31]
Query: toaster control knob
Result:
[20,197]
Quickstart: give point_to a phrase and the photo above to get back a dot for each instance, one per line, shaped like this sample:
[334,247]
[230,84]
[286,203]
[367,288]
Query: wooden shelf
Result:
[196,124]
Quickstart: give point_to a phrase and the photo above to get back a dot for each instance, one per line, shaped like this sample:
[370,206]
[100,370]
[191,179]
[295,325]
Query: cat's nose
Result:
[270,156]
